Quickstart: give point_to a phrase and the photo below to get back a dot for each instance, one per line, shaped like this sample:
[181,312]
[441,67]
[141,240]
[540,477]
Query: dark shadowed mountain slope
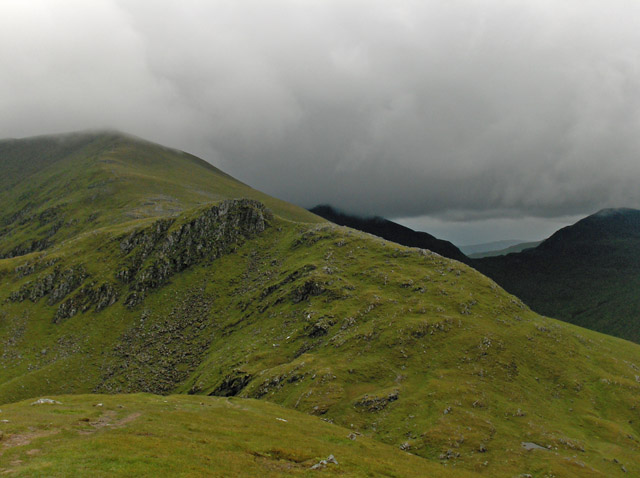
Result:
[391,231]
[587,274]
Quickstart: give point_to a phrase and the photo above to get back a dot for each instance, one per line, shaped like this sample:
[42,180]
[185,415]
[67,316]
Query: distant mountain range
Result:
[489,246]
[517,247]
[497,248]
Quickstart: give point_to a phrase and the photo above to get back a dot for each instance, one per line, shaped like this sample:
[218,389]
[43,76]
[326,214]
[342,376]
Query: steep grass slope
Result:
[587,274]
[232,298]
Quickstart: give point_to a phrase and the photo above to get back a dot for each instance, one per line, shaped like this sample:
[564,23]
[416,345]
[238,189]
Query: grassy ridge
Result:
[585,274]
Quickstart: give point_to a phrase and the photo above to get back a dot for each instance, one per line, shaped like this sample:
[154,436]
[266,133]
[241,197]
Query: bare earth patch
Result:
[22,439]
[107,420]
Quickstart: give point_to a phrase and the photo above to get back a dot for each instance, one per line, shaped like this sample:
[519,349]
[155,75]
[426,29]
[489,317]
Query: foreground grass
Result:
[187,436]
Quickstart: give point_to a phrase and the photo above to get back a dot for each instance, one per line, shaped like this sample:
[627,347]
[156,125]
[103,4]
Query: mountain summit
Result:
[604,225]
[55,187]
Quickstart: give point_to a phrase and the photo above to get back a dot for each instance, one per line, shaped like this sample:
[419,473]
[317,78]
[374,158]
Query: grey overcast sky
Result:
[474,120]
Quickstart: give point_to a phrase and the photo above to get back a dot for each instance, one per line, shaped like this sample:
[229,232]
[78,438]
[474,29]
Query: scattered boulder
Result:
[527,445]
[323,463]
[449,455]
[46,401]
[375,404]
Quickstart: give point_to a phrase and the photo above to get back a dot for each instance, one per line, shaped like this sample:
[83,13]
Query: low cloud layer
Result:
[456,110]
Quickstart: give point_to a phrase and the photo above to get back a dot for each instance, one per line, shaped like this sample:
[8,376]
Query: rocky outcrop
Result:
[375,404]
[56,285]
[310,288]
[152,256]
[51,220]
[89,296]
[156,253]
[232,384]
[287,280]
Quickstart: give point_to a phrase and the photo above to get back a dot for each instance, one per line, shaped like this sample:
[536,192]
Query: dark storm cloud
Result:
[455,109]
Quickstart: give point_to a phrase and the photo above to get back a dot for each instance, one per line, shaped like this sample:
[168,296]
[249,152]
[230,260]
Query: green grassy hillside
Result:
[586,274]
[399,345]
[55,187]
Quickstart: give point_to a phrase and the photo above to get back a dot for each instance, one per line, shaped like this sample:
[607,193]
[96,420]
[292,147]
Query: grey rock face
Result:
[156,253]
[56,285]
[152,255]
[86,298]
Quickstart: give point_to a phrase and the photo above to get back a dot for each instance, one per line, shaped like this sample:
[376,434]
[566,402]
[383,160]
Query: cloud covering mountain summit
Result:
[454,109]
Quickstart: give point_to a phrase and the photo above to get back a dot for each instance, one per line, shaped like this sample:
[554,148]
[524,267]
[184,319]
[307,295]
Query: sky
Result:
[474,120]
